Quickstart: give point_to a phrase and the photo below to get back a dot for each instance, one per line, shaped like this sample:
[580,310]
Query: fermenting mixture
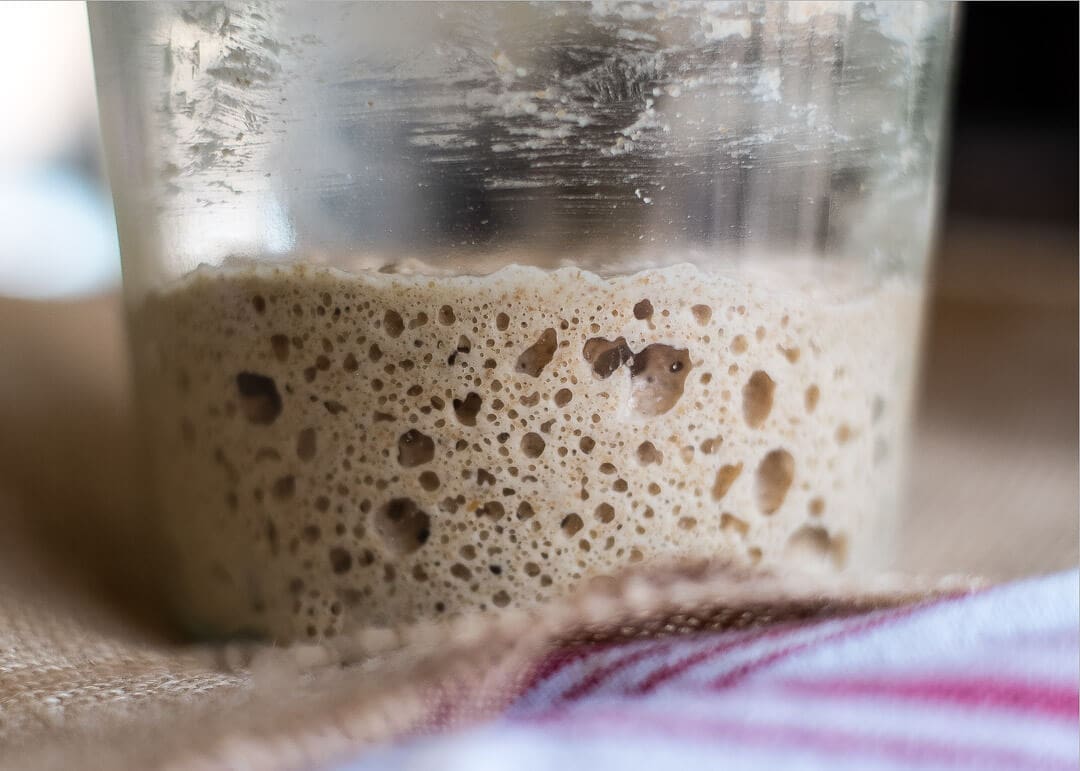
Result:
[339,449]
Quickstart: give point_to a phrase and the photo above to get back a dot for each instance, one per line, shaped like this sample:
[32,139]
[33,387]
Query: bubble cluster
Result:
[335,451]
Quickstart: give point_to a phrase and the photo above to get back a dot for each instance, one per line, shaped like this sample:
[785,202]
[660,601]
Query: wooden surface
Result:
[994,469]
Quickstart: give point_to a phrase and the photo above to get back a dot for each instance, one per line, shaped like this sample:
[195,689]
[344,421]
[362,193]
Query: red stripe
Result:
[676,668]
[801,739]
[600,675]
[1041,698]
[556,662]
[740,673]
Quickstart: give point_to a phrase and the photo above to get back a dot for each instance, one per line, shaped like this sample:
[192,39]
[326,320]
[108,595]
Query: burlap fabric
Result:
[91,678]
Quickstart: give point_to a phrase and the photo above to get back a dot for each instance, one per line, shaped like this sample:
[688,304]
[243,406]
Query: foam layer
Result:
[339,449]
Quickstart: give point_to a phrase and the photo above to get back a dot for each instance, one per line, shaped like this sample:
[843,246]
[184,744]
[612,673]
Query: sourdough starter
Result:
[332,450]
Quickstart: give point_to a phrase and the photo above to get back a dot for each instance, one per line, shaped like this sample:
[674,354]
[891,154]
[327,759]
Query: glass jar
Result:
[451,307]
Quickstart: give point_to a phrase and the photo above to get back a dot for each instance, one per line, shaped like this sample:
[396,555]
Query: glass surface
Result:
[586,284]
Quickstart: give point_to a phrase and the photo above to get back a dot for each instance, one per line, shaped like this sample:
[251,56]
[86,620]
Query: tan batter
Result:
[333,450]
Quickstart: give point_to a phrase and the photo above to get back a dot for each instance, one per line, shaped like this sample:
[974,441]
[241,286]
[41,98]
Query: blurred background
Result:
[994,478]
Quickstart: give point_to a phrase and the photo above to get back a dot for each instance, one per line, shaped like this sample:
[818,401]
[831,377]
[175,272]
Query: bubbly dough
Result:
[333,450]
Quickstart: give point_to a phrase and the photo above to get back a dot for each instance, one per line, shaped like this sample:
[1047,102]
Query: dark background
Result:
[1014,139]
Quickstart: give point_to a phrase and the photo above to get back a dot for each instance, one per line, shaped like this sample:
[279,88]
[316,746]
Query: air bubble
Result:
[340,560]
[605,512]
[791,354]
[758,398]
[305,444]
[415,449]
[571,524]
[259,398]
[466,409]
[731,524]
[420,320]
[605,355]
[774,476]
[280,346]
[501,599]
[587,444]
[813,547]
[446,315]
[393,323]
[647,453]
[816,507]
[702,313]
[492,510]
[539,354]
[725,478]
[402,526]
[843,433]
[532,444]
[563,397]
[643,310]
[429,480]
[813,394]
[259,303]
[525,510]
[657,377]
[739,344]
[502,321]
[687,523]
[457,570]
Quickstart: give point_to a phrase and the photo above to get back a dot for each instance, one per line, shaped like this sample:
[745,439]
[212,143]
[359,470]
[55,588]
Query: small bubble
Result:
[501,599]
[539,354]
[429,480]
[844,434]
[816,507]
[393,323]
[466,409]
[402,526]
[563,397]
[758,398]
[259,303]
[812,546]
[739,344]
[732,524]
[446,315]
[605,512]
[457,570]
[259,398]
[340,560]
[605,355]
[813,394]
[571,524]
[532,444]
[658,375]
[305,444]
[648,454]
[420,320]
[350,364]
[702,313]
[415,449]
[643,310]
[587,444]
[687,523]
[502,321]
[725,478]
[492,510]
[791,354]
[280,345]
[774,476]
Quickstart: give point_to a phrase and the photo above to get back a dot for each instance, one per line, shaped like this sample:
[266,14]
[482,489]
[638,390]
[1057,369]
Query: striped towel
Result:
[985,681]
